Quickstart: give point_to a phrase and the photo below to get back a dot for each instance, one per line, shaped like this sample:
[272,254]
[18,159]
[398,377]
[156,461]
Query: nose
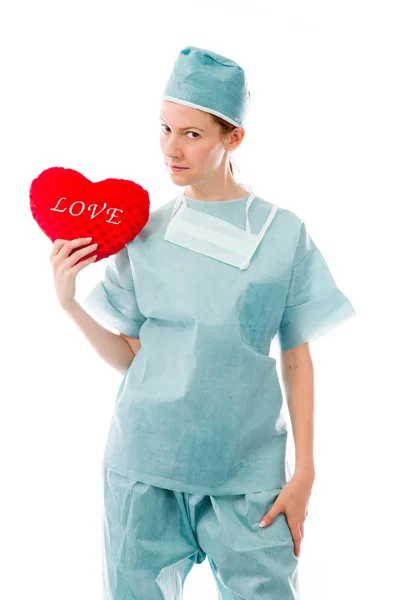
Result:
[172,149]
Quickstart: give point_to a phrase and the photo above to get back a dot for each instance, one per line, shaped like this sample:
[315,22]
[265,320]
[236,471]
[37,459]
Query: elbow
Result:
[123,369]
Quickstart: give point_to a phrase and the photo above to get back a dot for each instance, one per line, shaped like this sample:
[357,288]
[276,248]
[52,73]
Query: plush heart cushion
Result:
[66,205]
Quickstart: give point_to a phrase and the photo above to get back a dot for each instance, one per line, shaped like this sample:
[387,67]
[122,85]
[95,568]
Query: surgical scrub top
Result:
[199,408]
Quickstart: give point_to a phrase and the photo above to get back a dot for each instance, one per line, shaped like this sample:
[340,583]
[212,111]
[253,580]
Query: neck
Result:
[225,191]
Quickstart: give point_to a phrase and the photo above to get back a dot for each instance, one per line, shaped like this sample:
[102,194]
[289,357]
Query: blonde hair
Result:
[226,128]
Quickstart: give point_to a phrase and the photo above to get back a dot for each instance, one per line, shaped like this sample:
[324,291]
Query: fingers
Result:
[75,256]
[62,248]
[297,532]
[296,527]
[56,247]
[296,549]
[275,509]
[83,264]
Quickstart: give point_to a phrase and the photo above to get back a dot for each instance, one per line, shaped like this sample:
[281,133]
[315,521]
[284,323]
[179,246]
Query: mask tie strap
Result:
[180,199]
[248,204]
[268,222]
[260,235]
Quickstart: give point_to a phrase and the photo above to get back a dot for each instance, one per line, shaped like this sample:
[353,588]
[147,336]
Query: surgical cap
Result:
[210,82]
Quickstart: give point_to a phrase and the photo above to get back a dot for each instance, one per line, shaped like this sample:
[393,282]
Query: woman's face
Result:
[190,138]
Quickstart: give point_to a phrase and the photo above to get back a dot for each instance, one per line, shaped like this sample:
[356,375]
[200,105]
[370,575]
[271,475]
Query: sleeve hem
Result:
[297,331]
[98,304]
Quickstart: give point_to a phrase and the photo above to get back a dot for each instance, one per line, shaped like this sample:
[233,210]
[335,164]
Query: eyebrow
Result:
[184,128]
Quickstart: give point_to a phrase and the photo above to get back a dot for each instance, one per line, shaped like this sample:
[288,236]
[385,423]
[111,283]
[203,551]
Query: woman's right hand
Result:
[65,268]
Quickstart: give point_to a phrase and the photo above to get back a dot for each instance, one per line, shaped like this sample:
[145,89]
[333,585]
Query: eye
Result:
[195,132]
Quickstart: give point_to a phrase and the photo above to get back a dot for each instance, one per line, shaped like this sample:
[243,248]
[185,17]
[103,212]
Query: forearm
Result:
[109,346]
[298,374]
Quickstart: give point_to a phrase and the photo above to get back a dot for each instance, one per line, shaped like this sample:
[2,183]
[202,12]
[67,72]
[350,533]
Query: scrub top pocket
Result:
[261,313]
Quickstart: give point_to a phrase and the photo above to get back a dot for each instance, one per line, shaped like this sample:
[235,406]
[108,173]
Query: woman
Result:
[195,456]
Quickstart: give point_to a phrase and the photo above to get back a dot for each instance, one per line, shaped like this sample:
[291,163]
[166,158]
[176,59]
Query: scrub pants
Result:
[153,536]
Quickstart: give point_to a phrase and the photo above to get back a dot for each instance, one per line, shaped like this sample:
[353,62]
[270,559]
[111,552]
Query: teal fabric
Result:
[199,409]
[197,78]
[152,538]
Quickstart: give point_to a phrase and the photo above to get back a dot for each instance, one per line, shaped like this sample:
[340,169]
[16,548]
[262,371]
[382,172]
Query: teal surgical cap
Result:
[210,82]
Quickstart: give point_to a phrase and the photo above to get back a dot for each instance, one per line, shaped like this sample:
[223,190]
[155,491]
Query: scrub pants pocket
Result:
[249,562]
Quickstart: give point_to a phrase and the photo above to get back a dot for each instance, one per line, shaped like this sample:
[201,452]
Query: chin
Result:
[181,177]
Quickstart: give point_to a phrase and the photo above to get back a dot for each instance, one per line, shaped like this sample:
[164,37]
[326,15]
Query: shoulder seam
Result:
[304,257]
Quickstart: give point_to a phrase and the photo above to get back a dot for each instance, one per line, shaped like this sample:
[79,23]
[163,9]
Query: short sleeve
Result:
[314,303]
[113,299]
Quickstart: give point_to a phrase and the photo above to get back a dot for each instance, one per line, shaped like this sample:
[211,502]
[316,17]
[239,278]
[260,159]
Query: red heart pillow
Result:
[66,205]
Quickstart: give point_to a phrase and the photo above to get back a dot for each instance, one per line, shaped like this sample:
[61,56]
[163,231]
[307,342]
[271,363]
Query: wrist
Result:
[68,306]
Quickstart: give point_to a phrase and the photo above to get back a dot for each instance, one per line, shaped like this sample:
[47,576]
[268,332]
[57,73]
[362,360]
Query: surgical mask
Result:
[214,237]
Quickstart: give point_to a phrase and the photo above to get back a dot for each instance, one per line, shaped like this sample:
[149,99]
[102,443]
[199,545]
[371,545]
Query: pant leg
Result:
[223,592]
[148,549]
[248,562]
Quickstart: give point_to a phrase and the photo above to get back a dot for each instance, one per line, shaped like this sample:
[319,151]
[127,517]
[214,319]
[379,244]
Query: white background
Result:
[81,88]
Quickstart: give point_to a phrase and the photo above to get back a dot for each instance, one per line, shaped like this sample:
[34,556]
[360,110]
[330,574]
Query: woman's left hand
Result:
[293,501]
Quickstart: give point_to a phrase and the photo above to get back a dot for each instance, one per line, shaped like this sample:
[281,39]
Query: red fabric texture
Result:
[66,205]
